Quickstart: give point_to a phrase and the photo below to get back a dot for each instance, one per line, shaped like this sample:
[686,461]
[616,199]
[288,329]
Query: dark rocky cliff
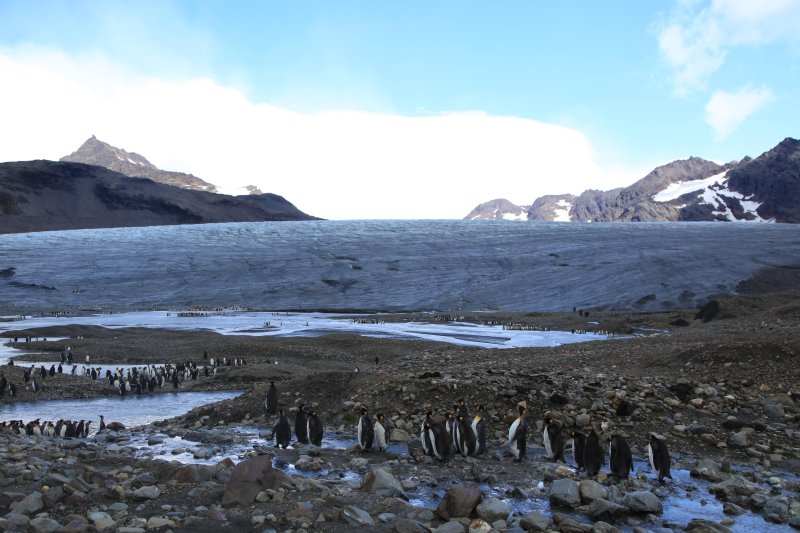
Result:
[47,195]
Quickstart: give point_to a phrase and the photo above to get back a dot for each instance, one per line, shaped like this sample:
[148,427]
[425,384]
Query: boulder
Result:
[43,524]
[406,525]
[459,501]
[149,492]
[450,527]
[30,504]
[250,477]
[733,486]
[642,501]
[356,517]
[535,521]
[382,482]
[605,527]
[102,521]
[604,511]
[591,490]
[492,509]
[707,469]
[776,510]
[400,435]
[191,474]
[706,526]
[565,492]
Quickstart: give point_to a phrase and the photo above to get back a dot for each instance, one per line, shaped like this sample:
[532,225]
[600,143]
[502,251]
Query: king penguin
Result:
[578,443]
[659,456]
[619,457]
[300,425]
[436,436]
[478,427]
[366,433]
[465,436]
[424,436]
[553,439]
[314,428]
[518,434]
[282,431]
[381,434]
[271,403]
[593,455]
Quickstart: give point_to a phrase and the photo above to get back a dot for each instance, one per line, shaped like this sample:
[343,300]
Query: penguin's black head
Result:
[280,412]
[460,418]
[380,417]
[461,401]
[448,416]
[364,411]
[429,414]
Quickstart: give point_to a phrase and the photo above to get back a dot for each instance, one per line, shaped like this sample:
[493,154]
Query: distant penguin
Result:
[102,426]
[271,402]
[381,434]
[436,435]
[424,436]
[518,434]
[619,456]
[12,389]
[301,425]
[462,408]
[79,430]
[282,432]
[465,436]
[34,385]
[314,428]
[593,454]
[478,428]
[366,432]
[578,443]
[553,439]
[659,457]
[86,428]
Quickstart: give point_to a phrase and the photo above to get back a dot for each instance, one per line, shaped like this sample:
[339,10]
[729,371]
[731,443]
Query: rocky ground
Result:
[723,388]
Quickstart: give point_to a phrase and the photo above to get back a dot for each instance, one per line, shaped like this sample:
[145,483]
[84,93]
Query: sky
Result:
[401,110]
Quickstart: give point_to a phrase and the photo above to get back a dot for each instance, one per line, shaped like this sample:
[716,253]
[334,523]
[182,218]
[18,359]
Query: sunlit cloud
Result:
[337,164]
[725,111]
[695,42]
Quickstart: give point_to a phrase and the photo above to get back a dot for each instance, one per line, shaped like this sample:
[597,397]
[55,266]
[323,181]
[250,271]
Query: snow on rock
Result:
[561,212]
[676,190]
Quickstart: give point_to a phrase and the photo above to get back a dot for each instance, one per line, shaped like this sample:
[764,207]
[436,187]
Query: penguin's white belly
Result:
[548,447]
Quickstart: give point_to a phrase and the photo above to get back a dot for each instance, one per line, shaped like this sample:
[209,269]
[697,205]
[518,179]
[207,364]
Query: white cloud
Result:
[725,111]
[695,43]
[337,164]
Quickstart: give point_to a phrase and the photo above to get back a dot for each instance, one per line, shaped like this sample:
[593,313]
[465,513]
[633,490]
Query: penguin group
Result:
[454,433]
[64,429]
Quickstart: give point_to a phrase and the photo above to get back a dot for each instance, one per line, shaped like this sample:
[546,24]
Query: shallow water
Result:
[131,410]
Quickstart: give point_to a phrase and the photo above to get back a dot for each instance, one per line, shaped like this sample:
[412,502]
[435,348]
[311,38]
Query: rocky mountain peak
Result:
[96,152]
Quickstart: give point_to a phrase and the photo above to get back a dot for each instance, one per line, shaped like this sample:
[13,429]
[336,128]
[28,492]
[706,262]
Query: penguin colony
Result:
[456,432]
[64,429]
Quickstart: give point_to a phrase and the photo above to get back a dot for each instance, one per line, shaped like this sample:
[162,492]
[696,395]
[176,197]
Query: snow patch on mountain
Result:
[561,212]
[676,190]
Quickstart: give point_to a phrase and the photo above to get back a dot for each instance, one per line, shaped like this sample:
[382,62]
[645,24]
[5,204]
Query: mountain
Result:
[763,189]
[500,209]
[49,195]
[96,152]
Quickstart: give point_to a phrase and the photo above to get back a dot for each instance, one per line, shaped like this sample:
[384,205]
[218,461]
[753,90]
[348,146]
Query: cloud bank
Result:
[725,110]
[338,164]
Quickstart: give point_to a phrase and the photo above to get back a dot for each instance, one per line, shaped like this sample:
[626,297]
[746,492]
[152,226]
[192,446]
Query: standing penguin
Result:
[462,408]
[381,434]
[578,443]
[620,458]
[282,431]
[553,439]
[424,436]
[478,427]
[436,436]
[366,433]
[314,428]
[465,437]
[518,434]
[300,425]
[34,385]
[271,403]
[593,455]
[659,456]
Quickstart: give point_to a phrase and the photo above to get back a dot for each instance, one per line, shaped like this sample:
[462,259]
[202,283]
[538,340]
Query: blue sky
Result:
[379,103]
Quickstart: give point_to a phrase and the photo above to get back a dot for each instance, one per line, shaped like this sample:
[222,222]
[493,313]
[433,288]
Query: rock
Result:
[535,521]
[738,440]
[77,525]
[43,525]
[604,527]
[459,501]
[604,510]
[706,526]
[250,477]
[155,522]
[356,517]
[400,435]
[732,509]
[191,474]
[773,410]
[591,490]
[149,492]
[406,525]
[583,420]
[642,501]
[102,521]
[565,492]
[30,504]
[382,482]
[53,496]
[479,526]
[492,509]
[707,469]
[568,524]
[450,527]
[733,486]
[776,510]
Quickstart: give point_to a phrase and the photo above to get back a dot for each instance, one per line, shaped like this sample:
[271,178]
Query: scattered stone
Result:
[492,509]
[565,492]
[459,501]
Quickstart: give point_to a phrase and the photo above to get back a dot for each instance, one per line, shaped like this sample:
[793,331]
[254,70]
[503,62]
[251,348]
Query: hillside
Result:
[765,189]
[47,195]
